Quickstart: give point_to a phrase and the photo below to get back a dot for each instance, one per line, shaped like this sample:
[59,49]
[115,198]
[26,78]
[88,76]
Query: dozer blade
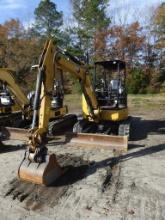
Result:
[9,133]
[40,173]
[102,141]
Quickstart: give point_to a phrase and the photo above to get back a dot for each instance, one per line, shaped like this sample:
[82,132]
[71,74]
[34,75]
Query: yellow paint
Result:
[62,112]
[108,114]
[15,108]
[5,109]
[114,115]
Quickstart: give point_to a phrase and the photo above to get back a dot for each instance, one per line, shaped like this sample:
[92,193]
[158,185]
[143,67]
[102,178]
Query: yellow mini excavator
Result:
[37,165]
[111,101]
[16,109]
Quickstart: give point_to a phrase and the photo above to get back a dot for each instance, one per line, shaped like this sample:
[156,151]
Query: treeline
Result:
[91,35]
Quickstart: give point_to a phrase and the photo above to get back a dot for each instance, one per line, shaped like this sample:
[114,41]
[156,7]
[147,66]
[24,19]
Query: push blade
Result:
[100,141]
[40,173]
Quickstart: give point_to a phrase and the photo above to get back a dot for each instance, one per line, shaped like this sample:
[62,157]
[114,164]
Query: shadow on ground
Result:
[5,148]
[141,128]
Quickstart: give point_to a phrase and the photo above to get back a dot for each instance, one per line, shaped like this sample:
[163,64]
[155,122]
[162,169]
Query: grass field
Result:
[147,101]
[73,101]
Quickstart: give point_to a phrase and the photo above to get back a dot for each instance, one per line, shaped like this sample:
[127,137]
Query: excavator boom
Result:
[39,167]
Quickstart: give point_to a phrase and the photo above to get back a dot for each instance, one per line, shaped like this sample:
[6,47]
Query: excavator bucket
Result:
[44,173]
[101,141]
[40,173]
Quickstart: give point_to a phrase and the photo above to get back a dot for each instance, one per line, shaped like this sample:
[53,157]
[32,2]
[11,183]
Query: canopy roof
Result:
[112,64]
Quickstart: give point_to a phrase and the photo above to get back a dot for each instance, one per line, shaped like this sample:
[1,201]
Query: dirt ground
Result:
[99,184]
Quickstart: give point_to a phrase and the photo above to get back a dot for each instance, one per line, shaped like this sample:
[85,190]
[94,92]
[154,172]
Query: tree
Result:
[159,21]
[92,23]
[10,32]
[159,30]
[17,50]
[47,19]
[137,80]
[126,43]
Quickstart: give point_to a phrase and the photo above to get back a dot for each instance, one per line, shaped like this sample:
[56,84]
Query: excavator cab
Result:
[57,95]
[7,103]
[6,98]
[109,84]
[58,91]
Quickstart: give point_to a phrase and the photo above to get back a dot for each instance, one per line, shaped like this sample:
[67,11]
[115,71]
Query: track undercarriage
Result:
[109,128]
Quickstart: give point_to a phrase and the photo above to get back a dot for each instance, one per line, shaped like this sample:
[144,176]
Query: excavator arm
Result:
[38,166]
[51,59]
[79,70]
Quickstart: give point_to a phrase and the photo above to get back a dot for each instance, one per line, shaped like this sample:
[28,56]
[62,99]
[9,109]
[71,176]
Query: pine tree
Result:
[47,19]
[92,22]
[159,21]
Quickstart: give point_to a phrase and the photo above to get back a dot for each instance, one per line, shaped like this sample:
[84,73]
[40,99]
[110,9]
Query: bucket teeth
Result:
[40,173]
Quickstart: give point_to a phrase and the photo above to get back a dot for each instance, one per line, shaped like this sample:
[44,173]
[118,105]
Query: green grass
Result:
[148,101]
[73,101]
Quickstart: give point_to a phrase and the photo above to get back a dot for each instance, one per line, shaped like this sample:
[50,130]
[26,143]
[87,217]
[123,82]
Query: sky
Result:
[24,9]
[132,10]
